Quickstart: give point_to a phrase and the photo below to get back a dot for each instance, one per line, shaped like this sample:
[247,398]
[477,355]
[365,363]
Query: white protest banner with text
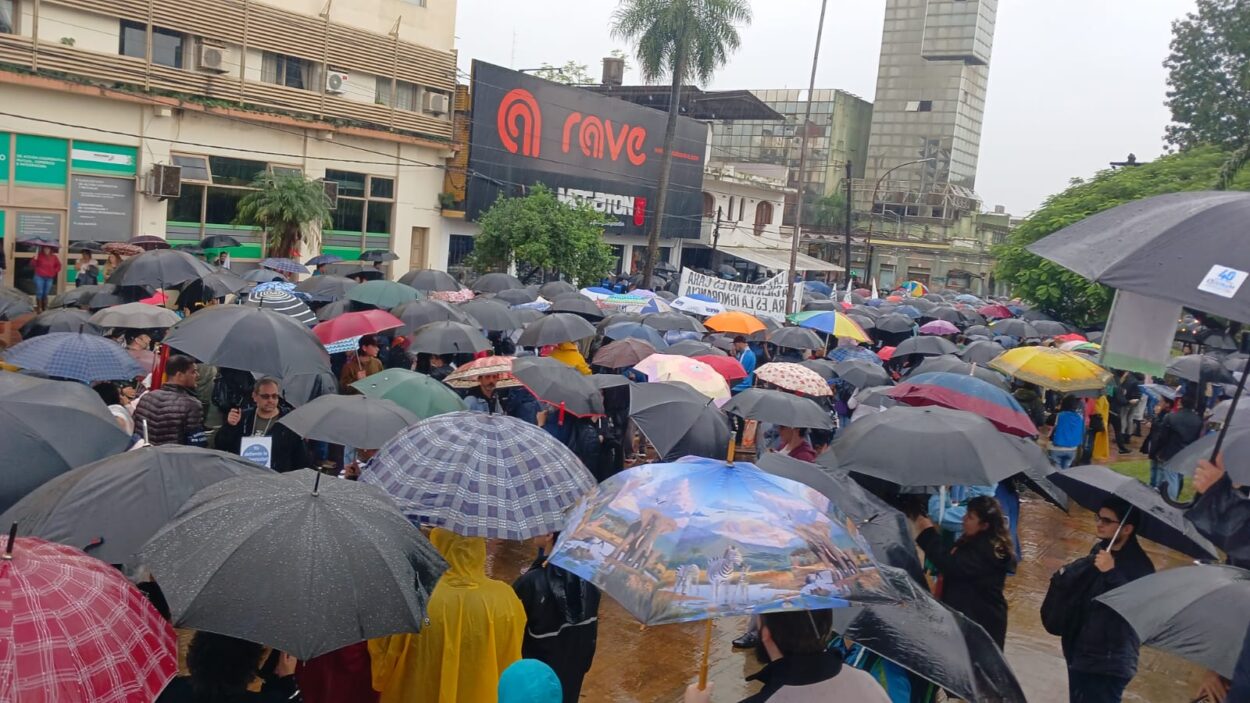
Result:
[767,299]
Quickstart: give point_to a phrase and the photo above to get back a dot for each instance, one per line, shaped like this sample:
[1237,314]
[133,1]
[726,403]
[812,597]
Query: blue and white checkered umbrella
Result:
[74,355]
[854,354]
[283,265]
[480,475]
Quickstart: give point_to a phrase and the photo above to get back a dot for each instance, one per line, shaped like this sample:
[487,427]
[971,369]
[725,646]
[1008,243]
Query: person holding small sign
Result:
[255,433]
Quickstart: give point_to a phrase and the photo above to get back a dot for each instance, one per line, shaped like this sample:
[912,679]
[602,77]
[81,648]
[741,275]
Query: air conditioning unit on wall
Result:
[437,103]
[215,59]
[165,181]
[336,82]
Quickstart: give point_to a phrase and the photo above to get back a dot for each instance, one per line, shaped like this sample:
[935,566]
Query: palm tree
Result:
[685,40]
[283,206]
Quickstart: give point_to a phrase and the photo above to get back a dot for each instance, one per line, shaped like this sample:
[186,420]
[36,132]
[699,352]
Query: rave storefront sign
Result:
[585,147]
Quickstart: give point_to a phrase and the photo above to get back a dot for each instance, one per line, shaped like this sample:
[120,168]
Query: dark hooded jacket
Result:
[1105,643]
[562,622]
[289,451]
[174,415]
[973,578]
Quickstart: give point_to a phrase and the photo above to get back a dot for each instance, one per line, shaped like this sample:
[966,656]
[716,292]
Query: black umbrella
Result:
[616,317]
[262,276]
[491,315]
[554,289]
[418,313]
[1012,327]
[516,296]
[932,641]
[111,507]
[876,397]
[1200,613]
[192,249]
[673,321]
[1091,485]
[577,304]
[865,323]
[951,364]
[796,338]
[353,269]
[496,282]
[524,316]
[325,288]
[895,323]
[974,318]
[862,374]
[554,329]
[779,408]
[824,367]
[301,388]
[49,427]
[350,420]
[622,353]
[925,346]
[250,339]
[11,307]
[159,268]
[333,310]
[560,385]
[60,320]
[303,565]
[135,316]
[692,348]
[884,527]
[979,331]
[1200,368]
[1185,461]
[77,297]
[928,446]
[981,352]
[431,280]
[820,305]
[378,255]
[1049,328]
[219,241]
[218,284]
[448,338]
[947,313]
[678,420]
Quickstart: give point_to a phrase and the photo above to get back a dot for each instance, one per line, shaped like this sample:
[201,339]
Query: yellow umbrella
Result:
[1052,368]
[734,322]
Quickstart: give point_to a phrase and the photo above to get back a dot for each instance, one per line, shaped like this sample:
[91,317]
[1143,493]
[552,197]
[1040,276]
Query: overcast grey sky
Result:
[1074,84]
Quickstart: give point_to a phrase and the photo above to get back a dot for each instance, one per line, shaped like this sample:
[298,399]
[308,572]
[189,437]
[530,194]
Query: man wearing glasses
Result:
[1102,651]
[287,451]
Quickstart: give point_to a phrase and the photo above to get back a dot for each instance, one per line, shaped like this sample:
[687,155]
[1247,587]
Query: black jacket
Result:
[289,452]
[1104,643]
[562,622]
[1222,515]
[1178,430]
[275,690]
[795,670]
[973,578]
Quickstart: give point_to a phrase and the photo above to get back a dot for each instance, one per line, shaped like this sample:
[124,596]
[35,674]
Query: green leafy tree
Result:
[1209,76]
[285,207]
[571,73]
[1071,297]
[831,211]
[684,40]
[541,234]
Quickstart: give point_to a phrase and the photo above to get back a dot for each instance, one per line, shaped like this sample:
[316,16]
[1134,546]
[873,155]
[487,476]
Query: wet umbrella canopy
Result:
[161,268]
[138,316]
[349,420]
[1200,368]
[382,294]
[496,282]
[779,408]
[925,346]
[415,392]
[327,287]
[635,330]
[430,280]
[951,364]
[796,338]
[555,328]
[678,420]
[862,374]
[74,355]
[448,338]
[418,313]
[622,354]
[981,352]
[276,559]
[491,315]
[60,320]
[559,385]
[111,507]
[251,339]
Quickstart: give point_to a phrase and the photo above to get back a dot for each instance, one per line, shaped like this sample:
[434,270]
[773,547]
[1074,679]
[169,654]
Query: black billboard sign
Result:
[584,146]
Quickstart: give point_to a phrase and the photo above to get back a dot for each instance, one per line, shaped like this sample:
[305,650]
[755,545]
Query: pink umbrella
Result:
[995,312]
[939,327]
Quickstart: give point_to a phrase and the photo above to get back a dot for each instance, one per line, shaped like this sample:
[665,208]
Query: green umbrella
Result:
[415,392]
[382,294]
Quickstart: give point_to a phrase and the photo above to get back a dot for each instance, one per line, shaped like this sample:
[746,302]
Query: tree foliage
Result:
[1064,294]
[284,206]
[538,233]
[1209,76]
[830,211]
[685,40]
[571,73]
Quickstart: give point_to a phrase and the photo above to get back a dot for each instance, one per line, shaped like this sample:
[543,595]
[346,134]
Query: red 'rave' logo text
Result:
[520,118]
[593,134]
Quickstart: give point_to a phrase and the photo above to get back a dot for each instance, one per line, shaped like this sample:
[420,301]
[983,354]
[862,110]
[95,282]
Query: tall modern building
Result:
[837,131]
[931,87]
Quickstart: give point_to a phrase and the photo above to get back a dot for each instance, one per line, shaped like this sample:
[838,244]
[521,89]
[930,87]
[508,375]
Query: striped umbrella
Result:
[481,475]
[278,297]
[962,392]
[831,322]
[74,355]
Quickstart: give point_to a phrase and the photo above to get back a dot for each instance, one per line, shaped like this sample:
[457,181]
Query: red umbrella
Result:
[995,312]
[1071,337]
[149,242]
[885,353]
[355,324]
[74,629]
[726,366]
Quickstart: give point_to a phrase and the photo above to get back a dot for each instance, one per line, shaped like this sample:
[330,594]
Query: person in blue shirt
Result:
[746,357]
[1068,433]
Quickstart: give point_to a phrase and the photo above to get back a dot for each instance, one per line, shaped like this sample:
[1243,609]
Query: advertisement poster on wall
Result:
[586,147]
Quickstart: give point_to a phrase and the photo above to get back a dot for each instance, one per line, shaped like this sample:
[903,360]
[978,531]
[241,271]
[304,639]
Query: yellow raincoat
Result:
[474,632]
[568,353]
[1102,440]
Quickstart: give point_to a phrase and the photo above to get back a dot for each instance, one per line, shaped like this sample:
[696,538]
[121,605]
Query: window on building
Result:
[167,46]
[742,208]
[229,171]
[920,106]
[8,17]
[405,94]
[763,216]
[212,187]
[194,168]
[286,171]
[459,246]
[709,206]
[729,214]
[289,71]
[366,207]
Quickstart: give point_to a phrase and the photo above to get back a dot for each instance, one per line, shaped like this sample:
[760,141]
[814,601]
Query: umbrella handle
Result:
[707,649]
[1219,441]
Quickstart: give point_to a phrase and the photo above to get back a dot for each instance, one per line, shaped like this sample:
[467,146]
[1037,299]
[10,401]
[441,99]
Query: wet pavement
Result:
[640,665]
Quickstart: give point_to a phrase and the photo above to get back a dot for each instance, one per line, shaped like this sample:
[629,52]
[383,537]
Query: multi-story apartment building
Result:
[128,117]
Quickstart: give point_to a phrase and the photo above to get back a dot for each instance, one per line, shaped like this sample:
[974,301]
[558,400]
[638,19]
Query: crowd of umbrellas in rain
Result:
[677,511]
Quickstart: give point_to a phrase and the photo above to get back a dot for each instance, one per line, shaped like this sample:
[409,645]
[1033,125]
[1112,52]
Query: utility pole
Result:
[846,244]
[807,117]
[715,242]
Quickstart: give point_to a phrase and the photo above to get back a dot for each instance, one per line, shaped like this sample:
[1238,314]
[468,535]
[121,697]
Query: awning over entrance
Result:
[778,259]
